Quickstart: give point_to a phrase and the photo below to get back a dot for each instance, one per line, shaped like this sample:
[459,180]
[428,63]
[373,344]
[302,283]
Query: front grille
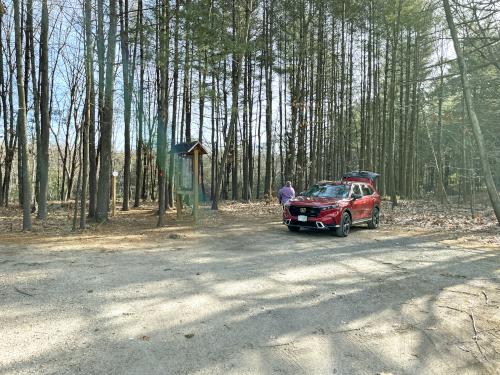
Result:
[311,224]
[310,211]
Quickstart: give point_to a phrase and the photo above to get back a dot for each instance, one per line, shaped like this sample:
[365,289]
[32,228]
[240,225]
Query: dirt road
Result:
[248,298]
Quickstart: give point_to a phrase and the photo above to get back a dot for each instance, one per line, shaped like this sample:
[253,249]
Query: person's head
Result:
[288,183]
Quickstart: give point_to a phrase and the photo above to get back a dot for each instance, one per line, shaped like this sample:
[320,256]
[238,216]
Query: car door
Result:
[357,204]
[368,201]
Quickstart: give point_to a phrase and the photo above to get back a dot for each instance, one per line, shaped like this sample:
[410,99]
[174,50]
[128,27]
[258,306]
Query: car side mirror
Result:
[356,196]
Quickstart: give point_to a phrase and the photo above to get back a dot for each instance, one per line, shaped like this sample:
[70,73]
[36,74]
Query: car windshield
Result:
[328,191]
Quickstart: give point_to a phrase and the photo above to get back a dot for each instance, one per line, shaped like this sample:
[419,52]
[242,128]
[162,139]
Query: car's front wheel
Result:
[375,221]
[293,229]
[345,226]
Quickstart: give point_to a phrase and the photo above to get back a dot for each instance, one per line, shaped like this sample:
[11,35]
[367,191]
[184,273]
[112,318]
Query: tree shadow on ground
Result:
[256,301]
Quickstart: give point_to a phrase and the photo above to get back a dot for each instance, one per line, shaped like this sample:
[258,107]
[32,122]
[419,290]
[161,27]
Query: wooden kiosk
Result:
[187,173]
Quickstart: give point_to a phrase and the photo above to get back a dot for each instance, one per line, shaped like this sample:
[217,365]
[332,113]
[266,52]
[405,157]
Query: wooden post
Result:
[177,183]
[195,183]
[113,193]
[178,204]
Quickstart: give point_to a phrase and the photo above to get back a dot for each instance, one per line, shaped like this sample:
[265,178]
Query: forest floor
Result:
[239,294]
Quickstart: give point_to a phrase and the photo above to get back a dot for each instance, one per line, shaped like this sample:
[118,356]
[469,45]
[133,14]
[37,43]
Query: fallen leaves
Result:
[430,214]
[427,214]
[480,228]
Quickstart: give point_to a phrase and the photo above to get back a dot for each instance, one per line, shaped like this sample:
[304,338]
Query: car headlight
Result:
[332,207]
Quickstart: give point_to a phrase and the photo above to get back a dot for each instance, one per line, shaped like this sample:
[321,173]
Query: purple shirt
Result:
[285,194]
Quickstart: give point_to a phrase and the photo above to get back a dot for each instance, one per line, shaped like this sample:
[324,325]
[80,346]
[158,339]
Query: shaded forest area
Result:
[278,90]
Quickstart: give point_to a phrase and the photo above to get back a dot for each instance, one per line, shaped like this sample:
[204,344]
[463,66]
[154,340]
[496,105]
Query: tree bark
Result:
[45,116]
[269,94]
[171,167]
[21,120]
[103,188]
[140,111]
[127,99]
[392,96]
[161,150]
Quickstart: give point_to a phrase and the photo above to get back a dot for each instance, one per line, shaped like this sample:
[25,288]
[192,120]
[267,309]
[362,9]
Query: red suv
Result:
[336,205]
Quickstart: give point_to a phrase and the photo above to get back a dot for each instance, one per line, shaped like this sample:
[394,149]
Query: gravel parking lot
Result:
[248,297]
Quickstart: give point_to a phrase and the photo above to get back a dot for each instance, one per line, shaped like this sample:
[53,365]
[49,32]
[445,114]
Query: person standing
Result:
[286,193]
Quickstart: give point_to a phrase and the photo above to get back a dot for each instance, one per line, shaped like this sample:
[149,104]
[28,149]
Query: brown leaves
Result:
[482,226]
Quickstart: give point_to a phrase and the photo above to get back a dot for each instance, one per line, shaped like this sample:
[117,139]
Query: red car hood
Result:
[313,201]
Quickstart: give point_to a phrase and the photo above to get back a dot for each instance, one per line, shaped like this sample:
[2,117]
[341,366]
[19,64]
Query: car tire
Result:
[375,221]
[293,229]
[345,226]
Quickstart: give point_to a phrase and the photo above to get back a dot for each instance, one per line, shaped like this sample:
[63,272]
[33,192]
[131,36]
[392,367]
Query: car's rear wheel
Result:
[375,221]
[345,226]
[293,229]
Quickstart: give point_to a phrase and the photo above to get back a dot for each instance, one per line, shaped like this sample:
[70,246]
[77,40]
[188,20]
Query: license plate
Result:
[302,218]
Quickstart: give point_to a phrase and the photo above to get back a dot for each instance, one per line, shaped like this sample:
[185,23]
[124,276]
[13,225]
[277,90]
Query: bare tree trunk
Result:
[103,188]
[171,167]
[78,184]
[246,127]
[35,91]
[21,120]
[4,111]
[410,182]
[442,193]
[74,158]
[140,114]
[94,144]
[163,113]
[259,136]
[383,154]
[213,136]
[202,93]
[127,99]
[45,116]
[392,96]
[269,94]
[88,119]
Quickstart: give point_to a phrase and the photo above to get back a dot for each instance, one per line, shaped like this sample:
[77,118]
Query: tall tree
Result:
[268,43]
[31,63]
[3,111]
[161,150]
[103,187]
[175,78]
[140,109]
[88,116]
[44,109]
[128,74]
[392,97]
[21,120]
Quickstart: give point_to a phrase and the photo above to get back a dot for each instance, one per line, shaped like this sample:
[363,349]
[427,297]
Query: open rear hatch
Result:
[361,176]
